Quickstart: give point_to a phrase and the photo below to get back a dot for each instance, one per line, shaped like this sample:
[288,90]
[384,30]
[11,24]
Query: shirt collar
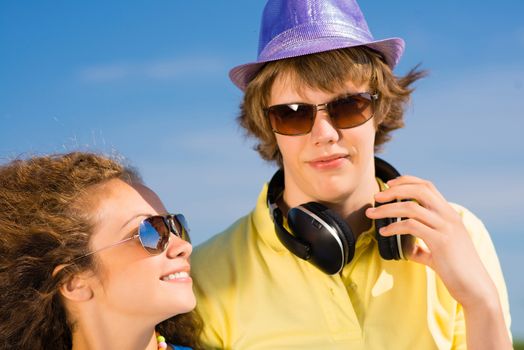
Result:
[263,223]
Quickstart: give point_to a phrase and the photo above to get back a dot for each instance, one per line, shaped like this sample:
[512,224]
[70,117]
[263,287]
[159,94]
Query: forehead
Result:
[116,201]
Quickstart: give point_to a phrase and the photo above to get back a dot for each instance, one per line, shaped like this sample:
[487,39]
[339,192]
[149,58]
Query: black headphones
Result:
[321,236]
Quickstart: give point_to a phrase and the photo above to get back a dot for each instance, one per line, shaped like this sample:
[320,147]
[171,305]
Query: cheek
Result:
[120,276]
[289,146]
[361,137]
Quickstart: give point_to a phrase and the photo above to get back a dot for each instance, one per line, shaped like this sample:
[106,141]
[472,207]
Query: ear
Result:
[78,287]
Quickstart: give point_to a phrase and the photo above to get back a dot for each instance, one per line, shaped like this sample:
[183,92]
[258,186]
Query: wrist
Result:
[483,306]
[484,297]
[485,325]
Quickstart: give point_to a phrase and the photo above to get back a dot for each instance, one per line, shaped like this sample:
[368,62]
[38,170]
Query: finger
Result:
[413,180]
[412,227]
[426,195]
[411,210]
[408,179]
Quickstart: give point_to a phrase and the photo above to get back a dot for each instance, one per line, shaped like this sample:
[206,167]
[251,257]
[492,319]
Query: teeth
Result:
[175,275]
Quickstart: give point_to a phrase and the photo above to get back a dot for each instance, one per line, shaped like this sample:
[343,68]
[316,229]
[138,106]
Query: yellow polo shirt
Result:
[254,294]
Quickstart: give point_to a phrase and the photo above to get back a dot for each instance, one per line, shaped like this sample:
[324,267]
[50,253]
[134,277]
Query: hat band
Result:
[312,38]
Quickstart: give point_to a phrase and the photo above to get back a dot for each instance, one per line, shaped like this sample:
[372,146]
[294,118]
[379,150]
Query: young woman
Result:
[90,259]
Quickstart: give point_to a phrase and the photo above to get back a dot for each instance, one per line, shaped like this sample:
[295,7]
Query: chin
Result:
[334,193]
[191,304]
[185,304]
[178,309]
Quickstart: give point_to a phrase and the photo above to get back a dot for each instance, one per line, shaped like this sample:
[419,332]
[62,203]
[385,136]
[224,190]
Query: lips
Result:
[329,158]
[329,162]
[176,275]
[180,274]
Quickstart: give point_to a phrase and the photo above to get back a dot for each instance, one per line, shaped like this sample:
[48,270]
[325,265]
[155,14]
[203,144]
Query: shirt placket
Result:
[355,276]
[341,314]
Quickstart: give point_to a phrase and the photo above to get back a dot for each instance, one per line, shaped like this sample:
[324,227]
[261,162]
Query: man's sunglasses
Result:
[346,112]
[154,233]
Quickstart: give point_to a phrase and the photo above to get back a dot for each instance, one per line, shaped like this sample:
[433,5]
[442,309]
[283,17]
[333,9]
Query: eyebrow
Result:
[350,93]
[134,217]
[334,98]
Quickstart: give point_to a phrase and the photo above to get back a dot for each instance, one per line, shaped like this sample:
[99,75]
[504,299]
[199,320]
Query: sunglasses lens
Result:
[292,119]
[181,227]
[351,111]
[154,234]
[298,118]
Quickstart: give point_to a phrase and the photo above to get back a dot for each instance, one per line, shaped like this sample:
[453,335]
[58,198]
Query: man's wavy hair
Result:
[328,71]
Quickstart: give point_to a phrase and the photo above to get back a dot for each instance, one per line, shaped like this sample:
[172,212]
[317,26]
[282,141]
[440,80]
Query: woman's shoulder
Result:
[179,347]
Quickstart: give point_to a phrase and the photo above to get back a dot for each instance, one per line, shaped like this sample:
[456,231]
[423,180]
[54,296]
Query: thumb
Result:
[421,255]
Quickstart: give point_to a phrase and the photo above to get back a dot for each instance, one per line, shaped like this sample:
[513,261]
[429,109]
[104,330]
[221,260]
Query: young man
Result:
[318,264]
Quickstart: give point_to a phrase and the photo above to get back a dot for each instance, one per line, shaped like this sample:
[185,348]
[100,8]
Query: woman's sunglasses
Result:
[295,119]
[154,233]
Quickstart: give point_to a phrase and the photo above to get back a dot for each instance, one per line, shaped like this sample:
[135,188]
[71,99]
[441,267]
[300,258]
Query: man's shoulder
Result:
[220,252]
[472,223]
[217,263]
[223,239]
[479,234]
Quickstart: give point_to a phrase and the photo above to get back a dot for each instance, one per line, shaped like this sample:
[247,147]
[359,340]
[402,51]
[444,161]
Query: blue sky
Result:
[148,80]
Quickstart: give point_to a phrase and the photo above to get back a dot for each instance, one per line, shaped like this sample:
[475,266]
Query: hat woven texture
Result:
[292,28]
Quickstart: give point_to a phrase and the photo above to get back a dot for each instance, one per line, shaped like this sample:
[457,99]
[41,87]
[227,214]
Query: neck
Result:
[353,209]
[355,218]
[98,330]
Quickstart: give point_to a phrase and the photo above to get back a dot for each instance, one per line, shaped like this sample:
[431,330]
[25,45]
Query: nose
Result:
[323,130]
[178,248]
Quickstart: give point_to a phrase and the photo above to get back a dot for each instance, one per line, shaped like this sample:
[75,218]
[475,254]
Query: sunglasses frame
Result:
[169,221]
[370,96]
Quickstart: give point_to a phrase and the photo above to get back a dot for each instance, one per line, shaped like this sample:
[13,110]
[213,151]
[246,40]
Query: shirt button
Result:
[353,285]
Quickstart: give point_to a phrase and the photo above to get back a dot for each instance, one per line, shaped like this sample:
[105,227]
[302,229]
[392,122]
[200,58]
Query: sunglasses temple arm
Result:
[109,246]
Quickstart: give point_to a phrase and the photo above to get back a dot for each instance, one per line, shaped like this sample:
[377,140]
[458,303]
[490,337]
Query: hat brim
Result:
[391,49]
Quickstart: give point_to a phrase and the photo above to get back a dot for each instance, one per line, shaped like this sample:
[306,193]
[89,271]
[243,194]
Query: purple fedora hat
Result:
[292,28]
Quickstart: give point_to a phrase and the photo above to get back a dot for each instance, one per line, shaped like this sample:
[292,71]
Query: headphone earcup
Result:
[344,231]
[331,240]
[391,247]
[387,246]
